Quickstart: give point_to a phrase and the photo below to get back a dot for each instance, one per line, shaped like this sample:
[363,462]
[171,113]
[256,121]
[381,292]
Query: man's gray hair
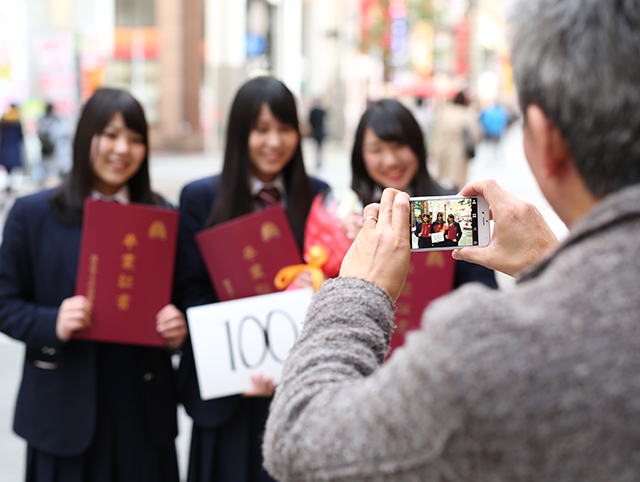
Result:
[579,61]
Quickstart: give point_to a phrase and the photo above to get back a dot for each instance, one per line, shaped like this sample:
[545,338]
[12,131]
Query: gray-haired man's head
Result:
[579,61]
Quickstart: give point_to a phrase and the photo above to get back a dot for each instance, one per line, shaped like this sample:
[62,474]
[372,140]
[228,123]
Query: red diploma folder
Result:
[244,255]
[430,276]
[126,266]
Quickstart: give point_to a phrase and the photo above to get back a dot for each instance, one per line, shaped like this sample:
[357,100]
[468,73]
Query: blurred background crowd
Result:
[185,60]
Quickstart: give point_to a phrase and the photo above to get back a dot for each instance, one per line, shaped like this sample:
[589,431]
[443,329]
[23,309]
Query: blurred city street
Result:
[504,162]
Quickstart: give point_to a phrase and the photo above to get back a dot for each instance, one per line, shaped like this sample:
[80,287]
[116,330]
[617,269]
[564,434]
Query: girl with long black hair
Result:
[389,150]
[263,158]
[89,411]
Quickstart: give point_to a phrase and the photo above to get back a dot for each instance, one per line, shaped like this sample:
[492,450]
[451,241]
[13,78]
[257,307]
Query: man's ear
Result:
[550,140]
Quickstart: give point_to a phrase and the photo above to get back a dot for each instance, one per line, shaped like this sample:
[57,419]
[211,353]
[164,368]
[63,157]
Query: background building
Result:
[185,59]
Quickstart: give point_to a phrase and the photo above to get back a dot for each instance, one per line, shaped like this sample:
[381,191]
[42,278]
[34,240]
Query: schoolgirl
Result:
[262,165]
[389,151]
[89,411]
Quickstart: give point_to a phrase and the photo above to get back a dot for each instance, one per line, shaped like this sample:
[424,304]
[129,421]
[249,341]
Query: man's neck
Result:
[573,200]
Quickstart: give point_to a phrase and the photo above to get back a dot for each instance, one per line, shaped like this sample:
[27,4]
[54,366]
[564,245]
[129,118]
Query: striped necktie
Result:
[269,196]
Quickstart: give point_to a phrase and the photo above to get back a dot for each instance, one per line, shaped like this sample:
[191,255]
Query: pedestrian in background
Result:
[11,143]
[54,140]
[494,119]
[423,112]
[455,134]
[263,165]
[389,151]
[89,411]
[316,121]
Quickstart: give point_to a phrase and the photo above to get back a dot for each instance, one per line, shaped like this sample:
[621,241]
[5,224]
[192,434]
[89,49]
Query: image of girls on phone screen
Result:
[88,410]
[453,231]
[389,150]
[423,231]
[438,227]
[263,164]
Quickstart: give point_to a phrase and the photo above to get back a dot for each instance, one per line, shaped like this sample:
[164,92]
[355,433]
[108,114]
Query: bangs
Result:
[282,104]
[133,115]
[388,127]
[252,95]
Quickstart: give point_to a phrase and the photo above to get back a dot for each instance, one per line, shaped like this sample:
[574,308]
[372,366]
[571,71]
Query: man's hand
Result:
[381,251]
[520,234]
[171,326]
[74,315]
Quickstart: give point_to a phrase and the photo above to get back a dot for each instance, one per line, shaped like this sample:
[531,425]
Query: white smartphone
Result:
[448,222]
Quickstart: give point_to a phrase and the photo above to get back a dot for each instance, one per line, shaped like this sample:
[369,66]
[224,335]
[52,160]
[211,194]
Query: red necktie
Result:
[269,196]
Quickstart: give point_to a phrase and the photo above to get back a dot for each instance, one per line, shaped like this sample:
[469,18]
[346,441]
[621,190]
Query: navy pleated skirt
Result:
[232,452]
[122,449]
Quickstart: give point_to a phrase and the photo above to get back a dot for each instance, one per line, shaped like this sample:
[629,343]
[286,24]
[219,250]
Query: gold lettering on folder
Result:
[125,282]
[263,288]
[269,231]
[249,253]
[128,260]
[228,287]
[93,271]
[404,308]
[157,230]
[123,301]
[408,288]
[435,259]
[130,241]
[256,271]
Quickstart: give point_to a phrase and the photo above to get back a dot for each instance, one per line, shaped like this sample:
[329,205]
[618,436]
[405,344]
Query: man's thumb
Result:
[472,255]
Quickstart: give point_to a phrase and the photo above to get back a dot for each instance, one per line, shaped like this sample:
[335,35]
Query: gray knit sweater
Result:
[540,383]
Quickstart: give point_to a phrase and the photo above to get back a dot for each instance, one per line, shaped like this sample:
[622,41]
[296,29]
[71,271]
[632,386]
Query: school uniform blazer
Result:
[56,406]
[193,288]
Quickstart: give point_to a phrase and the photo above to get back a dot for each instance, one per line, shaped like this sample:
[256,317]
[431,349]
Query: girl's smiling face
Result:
[116,155]
[390,164]
[272,145]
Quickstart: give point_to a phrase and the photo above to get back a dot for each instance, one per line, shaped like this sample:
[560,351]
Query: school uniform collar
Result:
[121,196]
[257,185]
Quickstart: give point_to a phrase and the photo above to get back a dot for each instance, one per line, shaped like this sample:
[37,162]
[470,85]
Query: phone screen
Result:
[446,222]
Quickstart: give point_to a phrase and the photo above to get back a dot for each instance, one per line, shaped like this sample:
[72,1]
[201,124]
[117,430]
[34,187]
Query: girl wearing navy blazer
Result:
[389,151]
[262,151]
[89,411]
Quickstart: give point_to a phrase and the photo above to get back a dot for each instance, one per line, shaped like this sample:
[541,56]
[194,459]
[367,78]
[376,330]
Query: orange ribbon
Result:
[315,257]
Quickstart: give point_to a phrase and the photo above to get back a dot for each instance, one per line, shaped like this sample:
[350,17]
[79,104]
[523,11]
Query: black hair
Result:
[234,193]
[68,199]
[460,99]
[392,122]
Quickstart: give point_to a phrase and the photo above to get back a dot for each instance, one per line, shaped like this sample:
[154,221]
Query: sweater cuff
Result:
[362,296]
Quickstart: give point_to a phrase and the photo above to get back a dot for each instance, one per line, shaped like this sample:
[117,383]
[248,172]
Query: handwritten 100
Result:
[268,347]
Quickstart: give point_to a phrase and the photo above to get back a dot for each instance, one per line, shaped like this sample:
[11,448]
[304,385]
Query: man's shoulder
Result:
[478,325]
